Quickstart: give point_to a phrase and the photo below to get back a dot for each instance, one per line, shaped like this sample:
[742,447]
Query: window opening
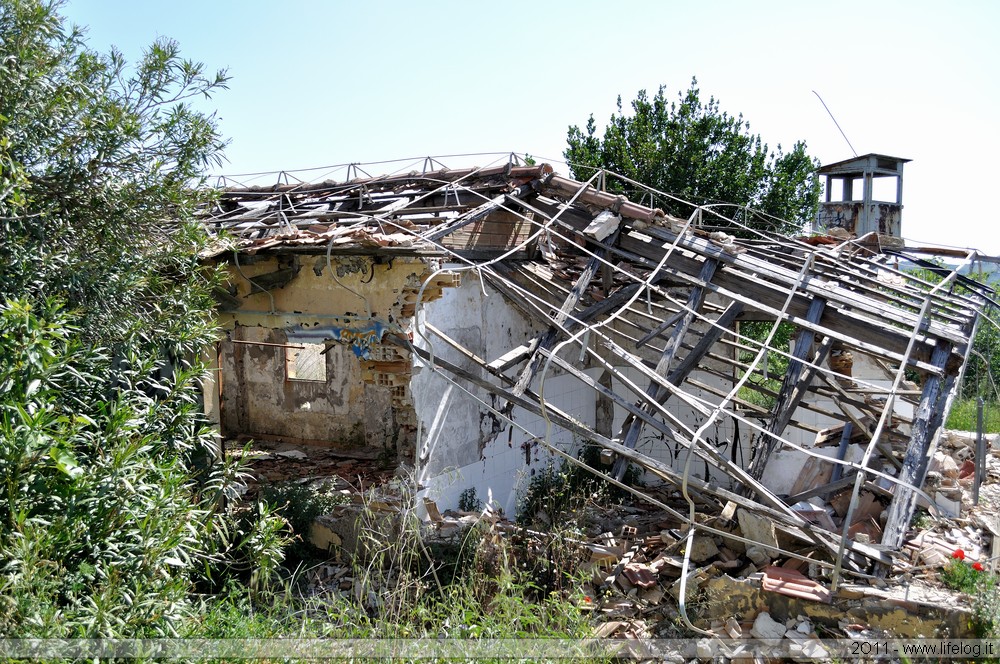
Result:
[306,362]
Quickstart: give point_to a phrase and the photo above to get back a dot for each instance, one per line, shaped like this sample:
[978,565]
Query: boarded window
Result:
[305,362]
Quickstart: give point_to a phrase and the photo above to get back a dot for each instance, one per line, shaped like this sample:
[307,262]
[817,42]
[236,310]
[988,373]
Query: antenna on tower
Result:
[836,123]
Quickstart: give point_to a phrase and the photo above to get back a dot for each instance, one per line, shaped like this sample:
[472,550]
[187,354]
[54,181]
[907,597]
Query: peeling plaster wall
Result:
[365,401]
[318,296]
[257,399]
[463,446]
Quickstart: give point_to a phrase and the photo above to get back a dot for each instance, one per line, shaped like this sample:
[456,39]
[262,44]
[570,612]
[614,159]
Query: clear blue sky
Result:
[324,83]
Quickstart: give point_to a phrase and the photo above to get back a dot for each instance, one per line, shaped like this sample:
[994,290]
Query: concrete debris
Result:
[733,628]
[762,531]
[648,554]
[765,627]
[293,454]
[703,548]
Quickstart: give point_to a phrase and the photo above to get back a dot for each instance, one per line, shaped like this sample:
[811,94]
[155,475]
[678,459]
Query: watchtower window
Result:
[886,189]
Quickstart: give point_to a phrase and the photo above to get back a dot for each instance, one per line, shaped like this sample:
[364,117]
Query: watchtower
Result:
[863,195]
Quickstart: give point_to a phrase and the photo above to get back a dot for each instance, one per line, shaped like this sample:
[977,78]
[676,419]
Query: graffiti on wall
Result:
[726,441]
[362,338]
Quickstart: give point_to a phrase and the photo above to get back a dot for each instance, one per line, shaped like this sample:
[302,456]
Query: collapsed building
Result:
[480,324]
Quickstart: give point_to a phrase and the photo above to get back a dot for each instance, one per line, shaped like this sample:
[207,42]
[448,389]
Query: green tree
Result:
[702,155]
[113,503]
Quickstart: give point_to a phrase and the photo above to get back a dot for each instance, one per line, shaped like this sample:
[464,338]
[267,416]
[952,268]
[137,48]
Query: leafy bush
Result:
[116,505]
[300,505]
[114,502]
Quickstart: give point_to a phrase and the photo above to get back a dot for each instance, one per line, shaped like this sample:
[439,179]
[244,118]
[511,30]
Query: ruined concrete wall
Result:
[464,446]
[363,402]
[259,399]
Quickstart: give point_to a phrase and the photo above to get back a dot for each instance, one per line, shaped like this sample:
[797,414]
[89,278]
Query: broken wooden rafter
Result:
[787,519]
[632,427]
[548,338]
[734,471]
[842,399]
[719,327]
[479,213]
[733,283]
[660,329]
[793,388]
[926,421]
[521,353]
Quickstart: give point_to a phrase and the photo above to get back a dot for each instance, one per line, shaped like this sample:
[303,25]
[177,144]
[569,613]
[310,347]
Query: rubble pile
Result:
[634,558]
[272,462]
[753,581]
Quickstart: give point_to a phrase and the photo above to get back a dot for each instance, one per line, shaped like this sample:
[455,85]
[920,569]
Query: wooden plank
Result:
[694,357]
[844,398]
[832,292]
[454,344]
[926,422]
[791,391]
[815,472]
[632,427]
[511,358]
[660,329]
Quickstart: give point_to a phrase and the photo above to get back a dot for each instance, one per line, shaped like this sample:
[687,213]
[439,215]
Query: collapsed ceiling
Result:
[616,284]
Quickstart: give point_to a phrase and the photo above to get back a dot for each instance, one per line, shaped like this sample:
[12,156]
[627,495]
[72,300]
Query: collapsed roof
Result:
[616,283]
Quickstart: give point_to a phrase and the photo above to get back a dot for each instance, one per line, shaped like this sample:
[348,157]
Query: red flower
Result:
[958,554]
[588,600]
[977,566]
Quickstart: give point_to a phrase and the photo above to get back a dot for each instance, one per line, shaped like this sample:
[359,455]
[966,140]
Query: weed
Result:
[468,501]
[555,492]
[963,577]
[484,588]
[974,581]
[921,519]
[986,608]
[963,416]
[300,505]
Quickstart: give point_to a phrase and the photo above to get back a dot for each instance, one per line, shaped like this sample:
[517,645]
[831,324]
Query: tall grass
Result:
[399,591]
[963,416]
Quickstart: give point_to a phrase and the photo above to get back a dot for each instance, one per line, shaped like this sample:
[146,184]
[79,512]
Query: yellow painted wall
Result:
[364,403]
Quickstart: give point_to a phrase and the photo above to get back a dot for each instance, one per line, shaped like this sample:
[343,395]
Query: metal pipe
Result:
[980,452]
